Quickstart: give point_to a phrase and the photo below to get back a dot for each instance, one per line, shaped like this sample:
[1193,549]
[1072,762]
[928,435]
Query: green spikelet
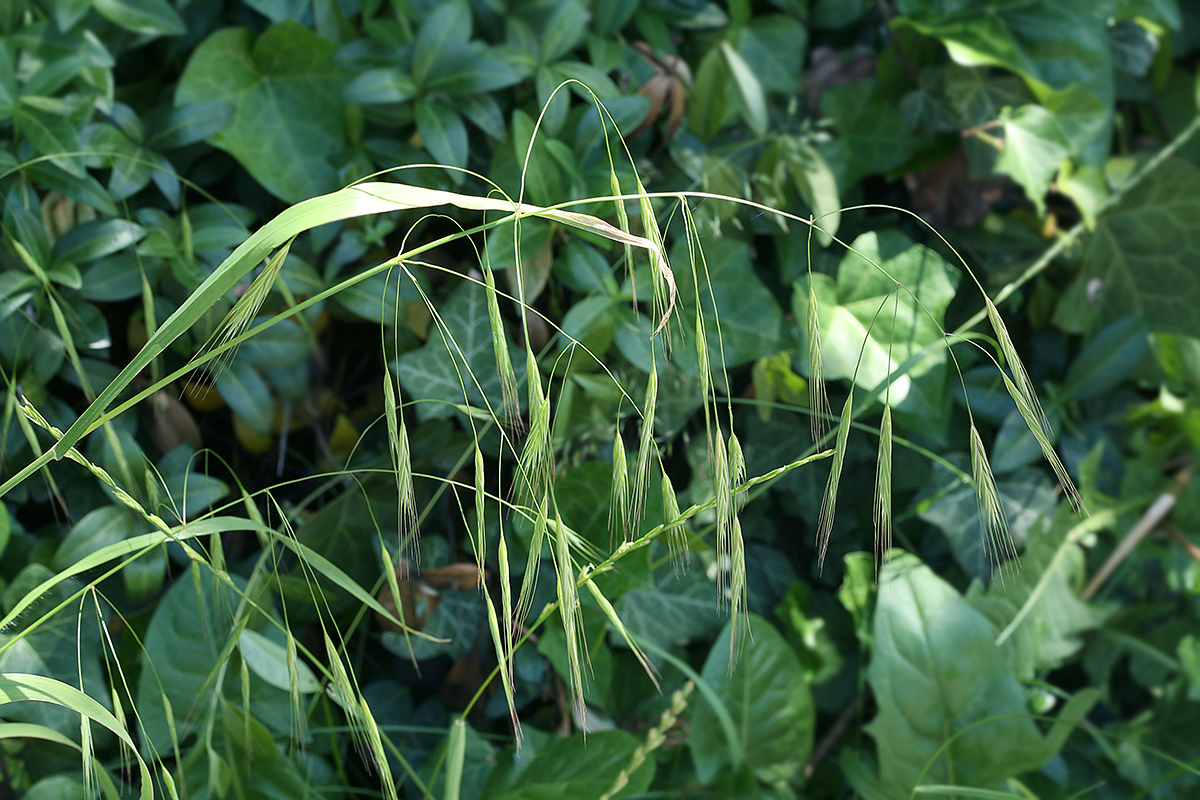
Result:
[676,536]
[829,501]
[406,509]
[533,562]
[618,512]
[646,451]
[1022,391]
[504,366]
[571,613]
[882,507]
[818,400]
[991,512]
[537,460]
[723,500]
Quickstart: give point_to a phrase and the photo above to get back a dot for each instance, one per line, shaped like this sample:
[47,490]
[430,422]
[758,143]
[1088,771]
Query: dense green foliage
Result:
[225,577]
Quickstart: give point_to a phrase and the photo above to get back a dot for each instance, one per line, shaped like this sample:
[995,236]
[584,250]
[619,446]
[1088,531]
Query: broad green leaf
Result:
[279,10]
[147,17]
[949,711]
[184,646]
[708,108]
[68,12]
[64,646]
[8,82]
[80,188]
[97,239]
[1140,261]
[378,298]
[286,94]
[444,135]
[247,394]
[563,30]
[1108,359]
[457,365]
[610,17]
[763,687]
[1050,45]
[280,345]
[872,136]
[473,74]
[441,40]
[104,526]
[187,124]
[1034,146]
[869,327]
[1037,614]
[730,297]
[268,659]
[1027,498]
[51,135]
[384,85]
[579,767]
[817,185]
[117,277]
[748,90]
[674,609]
[773,47]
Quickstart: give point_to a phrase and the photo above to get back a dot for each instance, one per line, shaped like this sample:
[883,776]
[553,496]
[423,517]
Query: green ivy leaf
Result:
[872,136]
[869,327]
[1141,259]
[1034,146]
[749,318]
[1050,45]
[436,372]
[764,688]
[286,95]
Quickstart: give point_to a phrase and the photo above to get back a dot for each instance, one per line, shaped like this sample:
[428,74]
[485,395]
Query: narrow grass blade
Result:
[829,501]
[882,507]
[456,750]
[480,541]
[355,201]
[17,687]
